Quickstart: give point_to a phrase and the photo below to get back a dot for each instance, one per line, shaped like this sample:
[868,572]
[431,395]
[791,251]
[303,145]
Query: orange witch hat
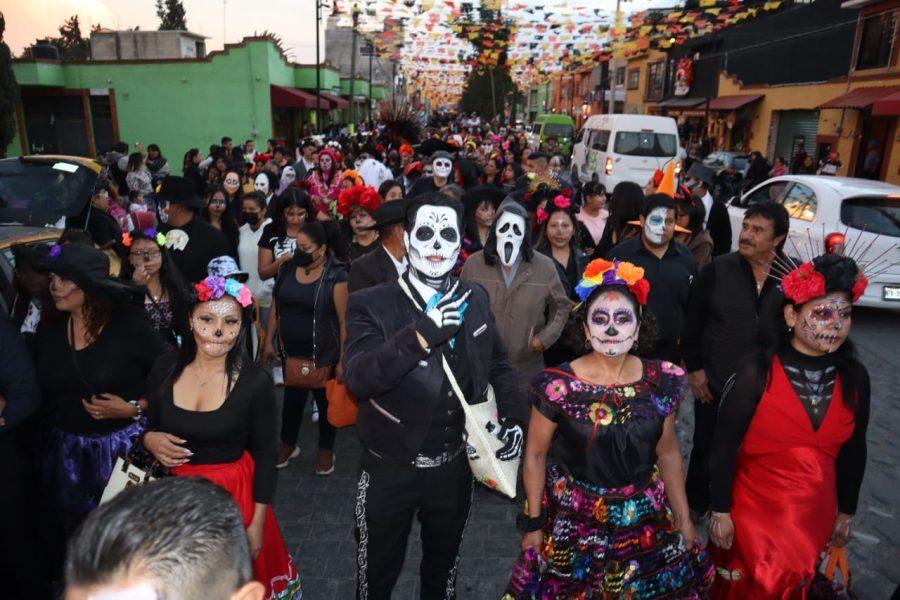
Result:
[667,185]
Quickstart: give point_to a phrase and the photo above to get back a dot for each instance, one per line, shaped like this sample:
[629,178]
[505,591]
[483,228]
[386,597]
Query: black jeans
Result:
[292,416]
[388,496]
[697,482]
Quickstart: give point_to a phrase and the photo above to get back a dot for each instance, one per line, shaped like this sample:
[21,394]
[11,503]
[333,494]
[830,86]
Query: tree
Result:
[171,15]
[70,43]
[9,93]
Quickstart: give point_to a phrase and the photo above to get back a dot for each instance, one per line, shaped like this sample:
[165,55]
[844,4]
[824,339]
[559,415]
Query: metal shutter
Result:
[793,123]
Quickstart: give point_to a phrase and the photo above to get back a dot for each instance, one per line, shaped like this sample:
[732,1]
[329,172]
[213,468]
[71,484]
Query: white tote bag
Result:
[124,474]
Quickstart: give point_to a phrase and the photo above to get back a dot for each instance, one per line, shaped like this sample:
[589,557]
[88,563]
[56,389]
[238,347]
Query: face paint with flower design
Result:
[612,325]
[216,325]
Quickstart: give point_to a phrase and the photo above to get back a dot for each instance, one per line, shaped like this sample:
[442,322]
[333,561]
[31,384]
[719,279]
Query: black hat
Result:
[432,145]
[481,193]
[700,171]
[390,213]
[179,190]
[34,253]
[89,269]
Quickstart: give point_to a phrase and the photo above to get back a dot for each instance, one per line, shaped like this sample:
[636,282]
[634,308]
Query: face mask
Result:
[510,233]
[824,323]
[288,176]
[216,325]
[442,167]
[655,225]
[250,218]
[231,184]
[433,244]
[612,325]
[428,171]
[261,184]
[302,258]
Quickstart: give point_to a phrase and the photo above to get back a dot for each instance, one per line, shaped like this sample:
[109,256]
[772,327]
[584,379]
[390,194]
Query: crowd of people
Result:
[426,271]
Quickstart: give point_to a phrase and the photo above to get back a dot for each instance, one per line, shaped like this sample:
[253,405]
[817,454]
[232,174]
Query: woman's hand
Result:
[166,448]
[268,354]
[842,532]
[689,533]
[108,406]
[533,539]
[721,530]
[140,275]
[255,536]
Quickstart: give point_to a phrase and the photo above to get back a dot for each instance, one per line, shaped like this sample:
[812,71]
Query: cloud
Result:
[27,21]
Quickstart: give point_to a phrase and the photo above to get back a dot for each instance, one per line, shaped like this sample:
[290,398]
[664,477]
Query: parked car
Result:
[821,207]
[615,148]
[561,127]
[730,169]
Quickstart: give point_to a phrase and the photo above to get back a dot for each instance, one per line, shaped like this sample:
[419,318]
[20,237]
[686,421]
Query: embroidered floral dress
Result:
[609,533]
[325,194]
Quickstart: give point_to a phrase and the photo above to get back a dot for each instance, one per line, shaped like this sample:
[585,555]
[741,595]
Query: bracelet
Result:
[139,412]
[526,524]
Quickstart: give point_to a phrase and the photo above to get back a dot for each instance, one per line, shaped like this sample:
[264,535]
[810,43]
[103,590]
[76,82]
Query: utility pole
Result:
[614,63]
[355,51]
[318,69]
[371,43]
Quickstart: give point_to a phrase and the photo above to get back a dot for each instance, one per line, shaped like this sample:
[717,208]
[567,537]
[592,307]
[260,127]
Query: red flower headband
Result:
[561,202]
[364,197]
[805,283]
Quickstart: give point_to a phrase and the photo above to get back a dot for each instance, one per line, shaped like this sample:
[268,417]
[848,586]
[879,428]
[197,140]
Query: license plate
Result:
[891,292]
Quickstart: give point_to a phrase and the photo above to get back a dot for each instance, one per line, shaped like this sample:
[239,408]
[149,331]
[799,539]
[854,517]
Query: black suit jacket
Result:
[719,227]
[384,361]
[371,269]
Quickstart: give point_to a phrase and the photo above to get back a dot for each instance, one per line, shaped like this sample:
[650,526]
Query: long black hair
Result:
[292,196]
[230,227]
[625,204]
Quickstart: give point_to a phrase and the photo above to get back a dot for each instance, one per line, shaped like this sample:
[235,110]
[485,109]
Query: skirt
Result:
[609,543]
[273,567]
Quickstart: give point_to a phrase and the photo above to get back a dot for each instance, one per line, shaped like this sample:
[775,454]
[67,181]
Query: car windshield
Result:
[875,214]
[645,143]
[41,192]
[560,130]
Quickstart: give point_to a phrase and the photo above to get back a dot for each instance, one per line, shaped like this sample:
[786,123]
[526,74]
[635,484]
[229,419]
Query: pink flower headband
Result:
[214,288]
[561,202]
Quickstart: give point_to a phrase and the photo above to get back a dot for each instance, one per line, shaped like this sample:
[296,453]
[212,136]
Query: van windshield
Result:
[874,214]
[644,143]
[38,192]
[560,130]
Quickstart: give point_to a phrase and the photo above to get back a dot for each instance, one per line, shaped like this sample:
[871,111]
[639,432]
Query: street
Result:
[317,514]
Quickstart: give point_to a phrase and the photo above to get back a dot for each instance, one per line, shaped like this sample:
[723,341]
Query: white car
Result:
[867,212]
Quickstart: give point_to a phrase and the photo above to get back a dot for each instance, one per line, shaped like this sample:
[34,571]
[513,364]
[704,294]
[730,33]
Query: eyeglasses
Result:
[146,255]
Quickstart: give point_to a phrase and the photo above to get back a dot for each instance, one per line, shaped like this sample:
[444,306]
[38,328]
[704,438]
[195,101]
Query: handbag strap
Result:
[837,561]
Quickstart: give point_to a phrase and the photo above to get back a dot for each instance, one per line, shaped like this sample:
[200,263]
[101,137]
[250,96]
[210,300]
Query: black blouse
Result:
[117,362]
[607,436]
[246,421]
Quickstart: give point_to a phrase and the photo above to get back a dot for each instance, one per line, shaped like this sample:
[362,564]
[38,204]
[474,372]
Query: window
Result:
[876,214]
[645,143]
[656,81]
[558,129]
[876,41]
[771,192]
[620,76]
[634,77]
[536,129]
[600,139]
[800,202]
[579,136]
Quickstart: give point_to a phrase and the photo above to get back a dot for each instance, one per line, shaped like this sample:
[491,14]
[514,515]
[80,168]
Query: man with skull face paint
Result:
[398,335]
[442,174]
[527,296]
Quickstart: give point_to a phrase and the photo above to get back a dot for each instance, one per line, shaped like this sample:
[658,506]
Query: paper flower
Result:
[232,287]
[126,240]
[55,251]
[629,273]
[161,239]
[859,287]
[176,239]
[244,297]
[596,268]
[803,284]
[640,289]
[542,216]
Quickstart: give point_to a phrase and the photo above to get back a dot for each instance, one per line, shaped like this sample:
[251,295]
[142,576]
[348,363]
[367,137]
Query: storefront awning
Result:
[733,102]
[681,102]
[888,106]
[860,97]
[336,101]
[286,97]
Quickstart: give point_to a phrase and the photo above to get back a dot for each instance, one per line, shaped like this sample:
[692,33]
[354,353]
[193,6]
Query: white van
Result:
[615,148]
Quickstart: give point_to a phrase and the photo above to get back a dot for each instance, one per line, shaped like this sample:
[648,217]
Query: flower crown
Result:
[601,273]
[805,283]
[561,202]
[366,197]
[149,233]
[214,288]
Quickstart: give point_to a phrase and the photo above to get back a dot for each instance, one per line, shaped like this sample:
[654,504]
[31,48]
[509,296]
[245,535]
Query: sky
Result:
[27,20]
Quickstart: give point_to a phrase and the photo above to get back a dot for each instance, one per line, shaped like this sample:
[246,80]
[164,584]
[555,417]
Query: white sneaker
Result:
[315,413]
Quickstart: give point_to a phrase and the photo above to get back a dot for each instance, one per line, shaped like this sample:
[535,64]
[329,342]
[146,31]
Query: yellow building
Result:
[645,79]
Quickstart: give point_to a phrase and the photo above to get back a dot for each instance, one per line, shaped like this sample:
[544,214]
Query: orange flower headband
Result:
[601,272]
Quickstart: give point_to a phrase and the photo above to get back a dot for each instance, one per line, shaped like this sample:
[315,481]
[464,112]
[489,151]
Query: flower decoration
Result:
[601,414]
[859,287]
[560,202]
[55,251]
[126,240]
[365,197]
[601,272]
[214,288]
[556,389]
[803,284]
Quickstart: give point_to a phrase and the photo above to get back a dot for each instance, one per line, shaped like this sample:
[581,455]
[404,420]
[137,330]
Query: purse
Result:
[342,405]
[135,468]
[824,585]
[303,373]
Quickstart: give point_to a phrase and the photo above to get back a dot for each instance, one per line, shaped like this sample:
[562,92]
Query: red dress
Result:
[784,496]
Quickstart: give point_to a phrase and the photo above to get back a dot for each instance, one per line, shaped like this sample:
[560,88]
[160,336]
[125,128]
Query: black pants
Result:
[292,416]
[697,482]
[388,497]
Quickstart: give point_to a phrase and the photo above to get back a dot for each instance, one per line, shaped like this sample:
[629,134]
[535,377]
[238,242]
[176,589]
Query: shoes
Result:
[325,463]
[315,413]
[285,454]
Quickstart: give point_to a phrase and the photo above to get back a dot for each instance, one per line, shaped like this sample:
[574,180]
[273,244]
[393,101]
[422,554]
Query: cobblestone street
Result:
[317,514]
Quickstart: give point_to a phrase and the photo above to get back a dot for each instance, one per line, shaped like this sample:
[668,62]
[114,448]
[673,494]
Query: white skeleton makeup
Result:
[288,176]
[655,225]
[442,167]
[823,324]
[612,325]
[216,325]
[510,233]
[261,184]
[433,244]
[325,163]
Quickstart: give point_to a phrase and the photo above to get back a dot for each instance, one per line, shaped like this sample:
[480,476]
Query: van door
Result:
[596,149]
[638,154]
[534,138]
[578,151]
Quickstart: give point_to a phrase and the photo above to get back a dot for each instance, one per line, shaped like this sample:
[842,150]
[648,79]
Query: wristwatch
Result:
[526,524]
[139,412]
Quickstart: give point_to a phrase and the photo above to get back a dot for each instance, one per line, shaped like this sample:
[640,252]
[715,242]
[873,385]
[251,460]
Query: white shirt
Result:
[707,201]
[400,265]
[248,256]
[374,173]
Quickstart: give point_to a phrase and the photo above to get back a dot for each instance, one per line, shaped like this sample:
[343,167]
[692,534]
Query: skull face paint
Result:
[325,162]
[510,233]
[442,167]
[261,184]
[216,325]
[231,182]
[822,325]
[433,244]
[612,325]
[655,225]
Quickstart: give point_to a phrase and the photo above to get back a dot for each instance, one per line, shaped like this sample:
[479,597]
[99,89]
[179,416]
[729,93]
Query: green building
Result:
[247,91]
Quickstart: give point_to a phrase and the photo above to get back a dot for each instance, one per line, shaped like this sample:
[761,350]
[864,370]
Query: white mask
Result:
[442,167]
[612,325]
[433,244]
[261,184]
[510,233]
[655,225]
[288,176]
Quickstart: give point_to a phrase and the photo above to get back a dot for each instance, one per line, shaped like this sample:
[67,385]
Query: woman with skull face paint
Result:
[213,414]
[599,519]
[325,185]
[789,451]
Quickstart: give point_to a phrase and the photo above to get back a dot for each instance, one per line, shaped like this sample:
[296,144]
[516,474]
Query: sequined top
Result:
[607,436]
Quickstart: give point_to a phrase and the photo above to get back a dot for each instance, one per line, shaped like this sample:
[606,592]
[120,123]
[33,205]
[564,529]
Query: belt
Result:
[422,461]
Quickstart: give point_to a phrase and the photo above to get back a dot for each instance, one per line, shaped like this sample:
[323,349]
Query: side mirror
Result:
[735,201]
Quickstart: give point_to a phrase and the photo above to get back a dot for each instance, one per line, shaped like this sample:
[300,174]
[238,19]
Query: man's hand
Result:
[700,386]
[444,320]
[513,437]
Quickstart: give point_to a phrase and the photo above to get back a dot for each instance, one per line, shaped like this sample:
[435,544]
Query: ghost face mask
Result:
[655,226]
[261,184]
[510,233]
[442,167]
[433,244]
[216,325]
[612,324]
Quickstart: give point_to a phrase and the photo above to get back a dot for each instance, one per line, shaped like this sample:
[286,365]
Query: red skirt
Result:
[273,566]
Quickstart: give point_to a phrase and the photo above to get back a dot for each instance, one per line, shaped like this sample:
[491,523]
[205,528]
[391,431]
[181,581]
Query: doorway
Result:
[874,146]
